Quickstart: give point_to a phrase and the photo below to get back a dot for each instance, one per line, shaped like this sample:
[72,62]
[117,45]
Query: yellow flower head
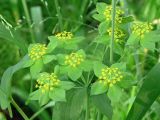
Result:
[119,34]
[110,76]
[64,35]
[46,82]
[37,51]
[118,17]
[74,59]
[140,29]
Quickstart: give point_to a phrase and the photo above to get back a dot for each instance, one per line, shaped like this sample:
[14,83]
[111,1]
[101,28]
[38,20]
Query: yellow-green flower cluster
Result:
[118,34]
[37,51]
[74,59]
[46,82]
[140,29]
[118,17]
[64,35]
[110,76]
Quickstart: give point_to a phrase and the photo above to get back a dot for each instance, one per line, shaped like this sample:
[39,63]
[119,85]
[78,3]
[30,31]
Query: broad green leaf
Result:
[35,95]
[127,19]
[121,66]
[132,40]
[98,66]
[28,63]
[150,39]
[7,76]
[44,98]
[4,101]
[104,39]
[61,59]
[148,93]
[66,85]
[74,73]
[63,69]
[99,17]
[48,58]
[73,107]
[52,44]
[98,88]
[57,94]
[103,104]
[101,7]
[103,27]
[87,65]
[36,68]
[81,51]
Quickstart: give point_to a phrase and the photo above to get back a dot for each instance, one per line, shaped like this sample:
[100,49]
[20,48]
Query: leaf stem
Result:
[87,106]
[26,12]
[19,109]
[113,14]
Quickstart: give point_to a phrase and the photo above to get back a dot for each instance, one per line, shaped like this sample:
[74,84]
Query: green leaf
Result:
[44,98]
[121,66]
[52,44]
[36,68]
[63,69]
[127,19]
[148,93]
[99,17]
[66,85]
[28,63]
[74,73]
[98,88]
[4,101]
[35,95]
[103,27]
[48,58]
[104,39]
[81,51]
[98,66]
[61,59]
[132,40]
[103,104]
[150,39]
[57,94]
[101,7]
[87,65]
[73,107]
[7,76]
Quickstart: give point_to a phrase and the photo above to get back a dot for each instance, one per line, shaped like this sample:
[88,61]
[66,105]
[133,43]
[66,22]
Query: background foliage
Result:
[33,21]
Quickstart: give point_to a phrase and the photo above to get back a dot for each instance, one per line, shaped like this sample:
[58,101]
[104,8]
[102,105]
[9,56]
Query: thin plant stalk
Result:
[19,109]
[113,14]
[59,14]
[26,12]
[87,106]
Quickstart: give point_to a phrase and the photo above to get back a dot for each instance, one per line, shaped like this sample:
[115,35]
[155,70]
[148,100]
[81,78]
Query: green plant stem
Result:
[113,28]
[38,112]
[87,106]
[19,109]
[59,14]
[26,12]
[133,92]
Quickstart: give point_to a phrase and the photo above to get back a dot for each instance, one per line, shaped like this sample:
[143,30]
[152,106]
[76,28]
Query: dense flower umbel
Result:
[74,59]
[140,29]
[64,35]
[46,82]
[118,17]
[110,76]
[37,51]
[119,34]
